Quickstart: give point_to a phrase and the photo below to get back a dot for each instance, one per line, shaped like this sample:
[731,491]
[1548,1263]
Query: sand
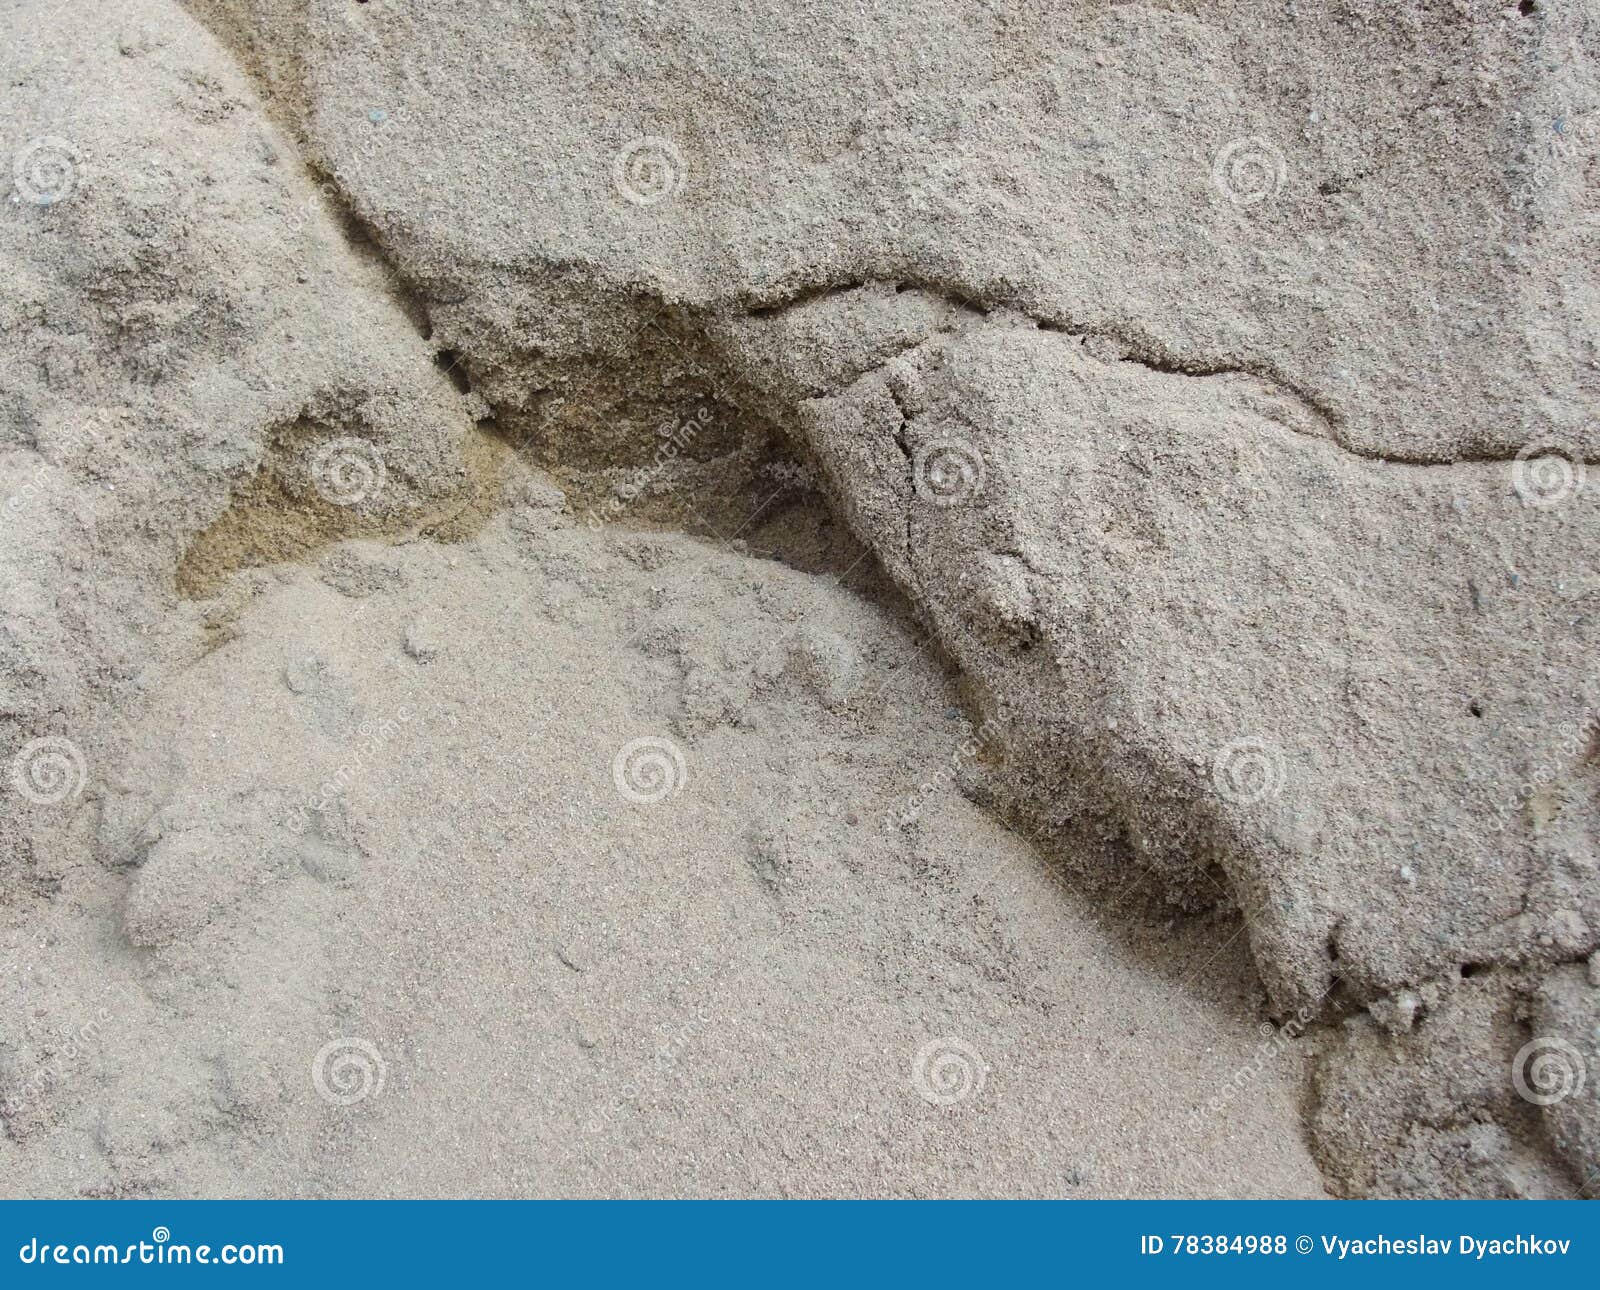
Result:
[980,598]
[556,863]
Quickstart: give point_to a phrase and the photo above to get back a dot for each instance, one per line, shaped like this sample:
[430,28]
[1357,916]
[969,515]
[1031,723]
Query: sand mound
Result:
[573,864]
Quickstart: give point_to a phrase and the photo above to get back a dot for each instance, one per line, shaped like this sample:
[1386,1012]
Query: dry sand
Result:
[976,598]
[404,924]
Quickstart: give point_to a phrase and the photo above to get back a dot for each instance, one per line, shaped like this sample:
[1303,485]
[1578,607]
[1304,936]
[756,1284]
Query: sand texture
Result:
[964,599]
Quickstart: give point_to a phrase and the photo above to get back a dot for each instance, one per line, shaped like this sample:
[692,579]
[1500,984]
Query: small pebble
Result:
[377,116]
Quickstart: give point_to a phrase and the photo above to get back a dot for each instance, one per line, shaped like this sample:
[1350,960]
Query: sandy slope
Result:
[468,963]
